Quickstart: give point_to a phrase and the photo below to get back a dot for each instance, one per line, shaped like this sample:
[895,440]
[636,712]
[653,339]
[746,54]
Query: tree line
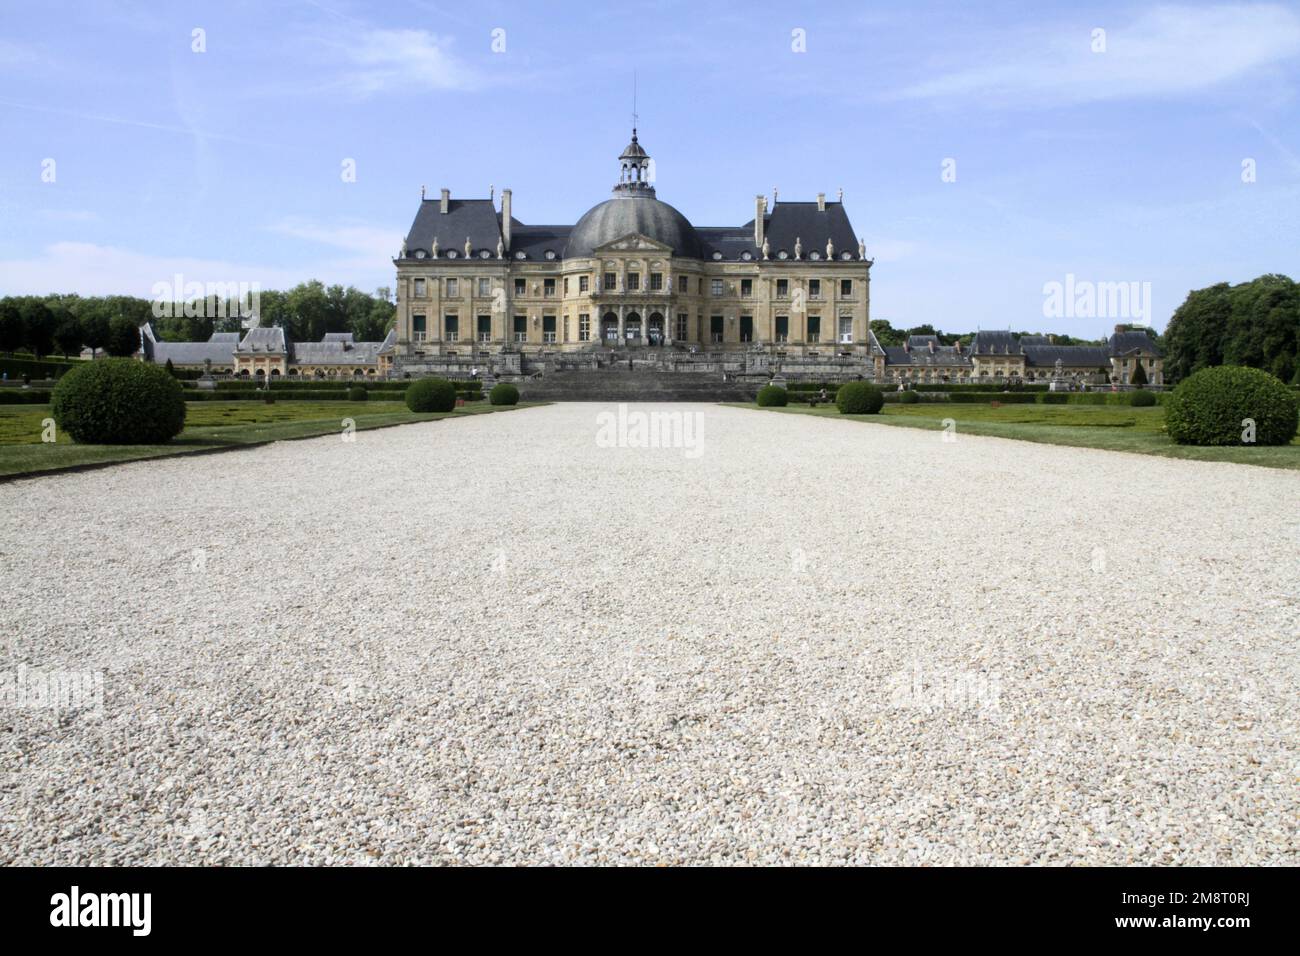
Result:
[1254,323]
[65,324]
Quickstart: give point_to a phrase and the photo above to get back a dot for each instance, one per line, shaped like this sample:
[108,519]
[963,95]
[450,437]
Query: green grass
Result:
[1109,427]
[209,426]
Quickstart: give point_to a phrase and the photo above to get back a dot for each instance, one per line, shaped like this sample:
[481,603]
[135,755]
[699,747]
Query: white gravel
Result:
[493,640]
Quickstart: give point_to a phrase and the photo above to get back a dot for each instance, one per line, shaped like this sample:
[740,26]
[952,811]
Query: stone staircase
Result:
[620,384]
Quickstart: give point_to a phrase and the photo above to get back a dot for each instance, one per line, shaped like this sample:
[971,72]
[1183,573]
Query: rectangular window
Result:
[715,328]
[783,288]
[846,288]
[548,288]
[683,321]
[746,288]
[453,289]
[814,288]
[485,287]
[521,328]
[746,328]
[656,281]
[584,327]
[814,328]
[582,283]
[521,286]
[453,327]
[419,332]
[715,286]
[485,328]
[846,329]
[611,282]
[684,285]
[783,328]
[548,328]
[633,281]
[421,288]
[566,285]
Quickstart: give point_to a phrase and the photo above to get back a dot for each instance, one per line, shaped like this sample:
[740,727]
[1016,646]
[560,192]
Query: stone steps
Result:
[640,385]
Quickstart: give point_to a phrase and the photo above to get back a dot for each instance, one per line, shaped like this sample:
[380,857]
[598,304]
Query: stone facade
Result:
[633,273]
[997,356]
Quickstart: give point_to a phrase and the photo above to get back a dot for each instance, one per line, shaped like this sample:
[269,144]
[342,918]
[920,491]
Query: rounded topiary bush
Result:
[859,398]
[772,396]
[431,395]
[503,393]
[908,398]
[357,394]
[1142,399]
[1210,407]
[119,401]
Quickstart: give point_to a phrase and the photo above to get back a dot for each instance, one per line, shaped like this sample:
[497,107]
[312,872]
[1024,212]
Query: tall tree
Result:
[12,332]
[1255,323]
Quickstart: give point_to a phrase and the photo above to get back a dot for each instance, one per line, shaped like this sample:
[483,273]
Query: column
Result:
[622,334]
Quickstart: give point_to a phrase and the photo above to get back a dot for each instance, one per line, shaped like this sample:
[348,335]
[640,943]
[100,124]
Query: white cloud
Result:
[14,55]
[404,59]
[1167,51]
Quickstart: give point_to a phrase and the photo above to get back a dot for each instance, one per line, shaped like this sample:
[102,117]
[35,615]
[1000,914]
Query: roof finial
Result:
[634,116]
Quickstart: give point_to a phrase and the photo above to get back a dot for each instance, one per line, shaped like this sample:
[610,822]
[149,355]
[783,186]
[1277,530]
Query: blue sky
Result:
[225,165]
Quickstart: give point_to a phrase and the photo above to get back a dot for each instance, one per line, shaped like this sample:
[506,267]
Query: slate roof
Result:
[263,339]
[944,356]
[630,212]
[1045,356]
[1126,343]
[476,218]
[994,342]
[535,241]
[220,348]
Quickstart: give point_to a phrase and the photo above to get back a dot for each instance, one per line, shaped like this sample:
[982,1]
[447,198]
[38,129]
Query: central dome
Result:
[633,212]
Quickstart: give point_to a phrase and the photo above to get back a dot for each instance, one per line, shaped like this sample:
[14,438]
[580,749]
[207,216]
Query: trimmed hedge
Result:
[119,401]
[908,398]
[357,394]
[1211,407]
[984,398]
[24,396]
[431,395]
[36,368]
[503,393]
[859,398]
[1142,399]
[772,396]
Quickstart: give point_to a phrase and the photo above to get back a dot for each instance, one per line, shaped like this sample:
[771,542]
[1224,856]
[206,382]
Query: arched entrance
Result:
[632,326]
[655,329]
[609,327]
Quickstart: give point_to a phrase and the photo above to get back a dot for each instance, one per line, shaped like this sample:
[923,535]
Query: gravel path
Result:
[494,640]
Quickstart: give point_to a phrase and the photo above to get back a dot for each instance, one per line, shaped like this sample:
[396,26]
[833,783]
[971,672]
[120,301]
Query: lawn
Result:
[1110,427]
[209,426]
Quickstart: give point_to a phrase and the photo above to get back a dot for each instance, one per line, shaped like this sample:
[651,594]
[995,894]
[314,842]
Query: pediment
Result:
[635,242]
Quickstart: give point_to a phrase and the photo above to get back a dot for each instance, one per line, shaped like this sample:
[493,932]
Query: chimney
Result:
[505,218]
[1119,329]
[932,346]
[444,205]
[760,213]
[821,202]
[422,191]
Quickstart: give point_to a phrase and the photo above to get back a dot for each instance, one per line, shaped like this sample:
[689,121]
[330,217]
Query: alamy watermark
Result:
[638,429]
[940,688]
[206,300]
[30,688]
[1084,299]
